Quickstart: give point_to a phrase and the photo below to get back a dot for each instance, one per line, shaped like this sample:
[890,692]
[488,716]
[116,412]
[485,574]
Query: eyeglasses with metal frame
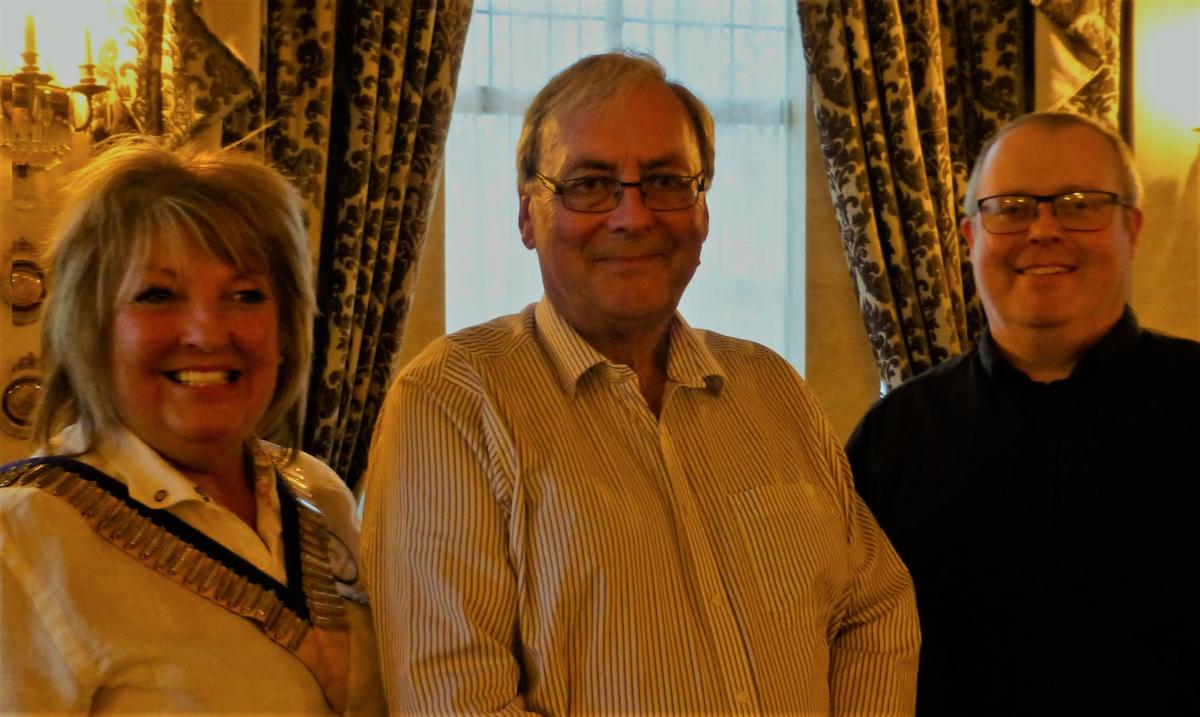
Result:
[597,194]
[1078,211]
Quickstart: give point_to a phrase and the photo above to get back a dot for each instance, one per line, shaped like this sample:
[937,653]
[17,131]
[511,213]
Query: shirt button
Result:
[160,495]
[743,697]
[717,599]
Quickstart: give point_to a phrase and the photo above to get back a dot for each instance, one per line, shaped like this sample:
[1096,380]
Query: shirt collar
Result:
[989,354]
[150,479]
[1111,349]
[689,361]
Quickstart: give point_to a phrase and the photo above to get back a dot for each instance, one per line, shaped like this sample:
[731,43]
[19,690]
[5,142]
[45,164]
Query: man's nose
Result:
[1045,225]
[631,211]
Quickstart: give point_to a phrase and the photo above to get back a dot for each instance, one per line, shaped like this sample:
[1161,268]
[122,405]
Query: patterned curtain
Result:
[905,92]
[1084,62]
[353,99]
[358,99]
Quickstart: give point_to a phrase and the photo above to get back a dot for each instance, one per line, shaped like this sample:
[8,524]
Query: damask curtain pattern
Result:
[356,103]
[393,97]
[904,91]
[353,99]
[1084,62]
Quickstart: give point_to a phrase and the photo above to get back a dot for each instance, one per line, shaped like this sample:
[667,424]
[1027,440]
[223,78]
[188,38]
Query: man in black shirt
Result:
[1043,488]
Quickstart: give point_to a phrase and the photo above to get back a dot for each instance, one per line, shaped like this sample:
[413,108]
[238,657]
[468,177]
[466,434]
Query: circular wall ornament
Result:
[18,403]
[26,285]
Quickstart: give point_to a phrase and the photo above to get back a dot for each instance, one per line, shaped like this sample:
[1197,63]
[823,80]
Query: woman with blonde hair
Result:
[159,555]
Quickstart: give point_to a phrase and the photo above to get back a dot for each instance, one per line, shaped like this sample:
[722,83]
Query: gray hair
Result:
[597,78]
[137,194]
[1131,181]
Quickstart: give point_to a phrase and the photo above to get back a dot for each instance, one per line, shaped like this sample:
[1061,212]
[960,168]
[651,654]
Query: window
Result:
[742,57]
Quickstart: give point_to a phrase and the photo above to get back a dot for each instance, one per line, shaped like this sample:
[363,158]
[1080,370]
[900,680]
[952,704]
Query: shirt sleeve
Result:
[44,668]
[440,574]
[874,655]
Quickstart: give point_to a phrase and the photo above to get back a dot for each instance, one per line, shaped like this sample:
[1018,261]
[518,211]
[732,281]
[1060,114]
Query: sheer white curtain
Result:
[742,57]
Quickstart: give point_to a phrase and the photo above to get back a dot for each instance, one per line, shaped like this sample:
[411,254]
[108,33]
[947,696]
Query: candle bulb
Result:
[87,46]
[30,35]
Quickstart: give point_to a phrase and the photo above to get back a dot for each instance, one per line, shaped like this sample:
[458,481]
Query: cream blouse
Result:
[85,628]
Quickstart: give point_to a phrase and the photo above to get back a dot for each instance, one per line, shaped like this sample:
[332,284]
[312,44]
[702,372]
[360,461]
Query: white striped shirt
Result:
[536,540]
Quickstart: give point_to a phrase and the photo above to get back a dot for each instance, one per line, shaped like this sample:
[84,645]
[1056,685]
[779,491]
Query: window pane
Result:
[755,12]
[742,281]
[709,12]
[703,60]
[753,50]
[636,34]
[663,9]
[488,271]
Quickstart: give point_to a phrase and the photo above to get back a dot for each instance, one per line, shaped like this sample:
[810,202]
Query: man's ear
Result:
[525,221]
[1134,224]
[968,231]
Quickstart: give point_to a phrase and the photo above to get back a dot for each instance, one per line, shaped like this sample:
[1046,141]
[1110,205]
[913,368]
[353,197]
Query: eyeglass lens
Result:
[663,192]
[1079,211]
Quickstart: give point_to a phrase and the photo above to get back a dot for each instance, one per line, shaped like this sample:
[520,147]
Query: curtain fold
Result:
[904,93]
[894,87]
[353,99]
[392,101]
[1083,61]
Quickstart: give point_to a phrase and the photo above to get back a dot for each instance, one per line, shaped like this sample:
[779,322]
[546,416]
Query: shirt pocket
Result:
[796,547]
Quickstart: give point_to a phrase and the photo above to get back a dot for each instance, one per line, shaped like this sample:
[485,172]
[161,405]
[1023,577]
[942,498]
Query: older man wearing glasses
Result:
[591,507]
[1041,488]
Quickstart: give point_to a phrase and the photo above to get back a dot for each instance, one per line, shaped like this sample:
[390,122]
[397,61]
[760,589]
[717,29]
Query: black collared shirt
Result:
[1052,530]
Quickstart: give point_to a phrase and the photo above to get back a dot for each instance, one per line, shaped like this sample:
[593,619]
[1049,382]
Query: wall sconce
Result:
[38,115]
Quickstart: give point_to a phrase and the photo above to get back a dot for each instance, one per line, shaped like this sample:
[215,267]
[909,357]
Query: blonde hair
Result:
[138,193]
[594,80]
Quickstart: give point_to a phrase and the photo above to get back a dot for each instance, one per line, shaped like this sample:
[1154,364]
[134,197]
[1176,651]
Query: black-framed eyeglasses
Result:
[596,194]
[1077,211]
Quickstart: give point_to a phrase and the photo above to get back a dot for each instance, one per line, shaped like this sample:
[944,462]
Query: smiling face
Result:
[195,353]
[1047,278]
[620,273]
